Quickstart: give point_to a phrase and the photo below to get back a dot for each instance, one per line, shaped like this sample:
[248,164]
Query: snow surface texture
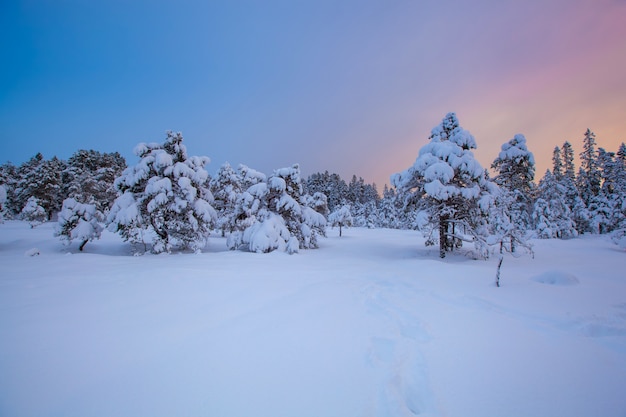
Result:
[372,324]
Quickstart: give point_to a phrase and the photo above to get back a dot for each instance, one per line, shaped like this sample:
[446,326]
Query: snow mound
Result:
[556,278]
[32,252]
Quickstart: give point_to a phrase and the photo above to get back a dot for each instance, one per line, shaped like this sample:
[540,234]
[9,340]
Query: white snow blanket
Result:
[370,324]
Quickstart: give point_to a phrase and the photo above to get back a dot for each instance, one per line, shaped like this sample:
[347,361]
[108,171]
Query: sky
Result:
[352,87]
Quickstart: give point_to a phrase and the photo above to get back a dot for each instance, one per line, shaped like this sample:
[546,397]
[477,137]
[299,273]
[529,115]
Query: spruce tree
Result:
[569,170]
[452,187]
[589,179]
[515,172]
[557,163]
[167,194]
[226,187]
[90,175]
[551,216]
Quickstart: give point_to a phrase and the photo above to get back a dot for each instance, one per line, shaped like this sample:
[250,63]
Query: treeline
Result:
[87,176]
[169,200]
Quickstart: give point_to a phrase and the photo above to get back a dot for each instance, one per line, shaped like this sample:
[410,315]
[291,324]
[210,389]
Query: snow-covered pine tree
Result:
[388,215]
[504,227]
[284,197]
[78,221]
[341,217]
[226,186]
[600,214]
[365,214]
[515,166]
[332,185]
[605,207]
[551,216]
[34,213]
[249,205]
[23,188]
[274,215]
[557,163]
[589,177]
[165,194]
[90,175]
[452,187]
[515,173]
[569,170]
[578,209]
[255,227]
[41,178]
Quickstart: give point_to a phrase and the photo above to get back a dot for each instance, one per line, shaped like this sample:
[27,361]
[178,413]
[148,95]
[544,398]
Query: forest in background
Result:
[168,200]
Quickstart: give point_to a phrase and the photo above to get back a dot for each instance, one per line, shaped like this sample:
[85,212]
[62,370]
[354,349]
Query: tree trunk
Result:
[443,236]
[340,230]
[82,245]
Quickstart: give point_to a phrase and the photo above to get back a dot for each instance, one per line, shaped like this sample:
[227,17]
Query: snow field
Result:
[370,324]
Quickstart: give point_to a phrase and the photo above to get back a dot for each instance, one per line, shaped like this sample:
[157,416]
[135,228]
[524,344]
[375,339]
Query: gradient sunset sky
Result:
[352,87]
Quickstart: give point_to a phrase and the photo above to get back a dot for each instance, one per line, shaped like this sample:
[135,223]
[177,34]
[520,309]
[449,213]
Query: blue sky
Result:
[349,87]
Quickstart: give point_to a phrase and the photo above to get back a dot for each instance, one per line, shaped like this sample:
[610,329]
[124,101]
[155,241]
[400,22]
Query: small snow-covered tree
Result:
[388,215]
[600,214]
[515,166]
[515,172]
[285,195]
[451,186]
[78,221]
[341,217]
[551,216]
[251,208]
[34,213]
[274,215]
[225,187]
[166,195]
[503,224]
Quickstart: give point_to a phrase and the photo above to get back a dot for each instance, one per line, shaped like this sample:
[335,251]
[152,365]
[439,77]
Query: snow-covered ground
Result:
[371,324]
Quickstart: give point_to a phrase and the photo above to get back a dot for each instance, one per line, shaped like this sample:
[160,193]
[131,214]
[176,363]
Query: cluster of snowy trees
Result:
[35,190]
[454,199]
[168,200]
